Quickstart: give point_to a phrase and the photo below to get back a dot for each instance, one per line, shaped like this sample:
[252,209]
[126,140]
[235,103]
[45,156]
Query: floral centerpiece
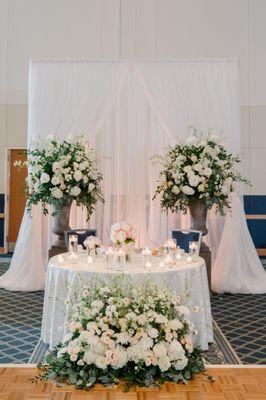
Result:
[60,171]
[199,168]
[139,335]
[123,234]
[196,174]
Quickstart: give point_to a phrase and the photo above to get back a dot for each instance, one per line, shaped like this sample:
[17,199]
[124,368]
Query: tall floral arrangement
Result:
[139,335]
[199,168]
[63,170]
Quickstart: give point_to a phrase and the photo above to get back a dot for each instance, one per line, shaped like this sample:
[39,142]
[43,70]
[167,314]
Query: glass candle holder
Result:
[147,253]
[109,256]
[193,250]
[120,257]
[73,244]
[170,246]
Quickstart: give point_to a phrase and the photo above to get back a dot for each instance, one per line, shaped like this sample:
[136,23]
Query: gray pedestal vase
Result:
[198,216]
[60,224]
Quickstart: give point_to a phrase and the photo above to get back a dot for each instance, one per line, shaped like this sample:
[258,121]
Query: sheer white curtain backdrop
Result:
[130,110]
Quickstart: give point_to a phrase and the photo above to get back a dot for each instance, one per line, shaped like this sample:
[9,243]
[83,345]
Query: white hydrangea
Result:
[181,364]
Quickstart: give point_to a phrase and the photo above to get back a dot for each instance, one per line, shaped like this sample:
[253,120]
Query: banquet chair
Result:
[183,237]
[81,233]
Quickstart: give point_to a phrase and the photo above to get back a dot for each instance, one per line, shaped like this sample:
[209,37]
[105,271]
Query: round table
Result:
[65,276]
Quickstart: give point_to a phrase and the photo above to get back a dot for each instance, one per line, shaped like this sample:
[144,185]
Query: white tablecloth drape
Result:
[65,278]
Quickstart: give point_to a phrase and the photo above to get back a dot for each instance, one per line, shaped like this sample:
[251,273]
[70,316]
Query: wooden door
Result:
[17,198]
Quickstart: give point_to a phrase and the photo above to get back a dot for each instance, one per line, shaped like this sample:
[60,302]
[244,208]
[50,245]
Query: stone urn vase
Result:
[60,224]
[198,216]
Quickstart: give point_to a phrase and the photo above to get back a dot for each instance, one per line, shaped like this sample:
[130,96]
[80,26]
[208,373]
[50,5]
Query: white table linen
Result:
[65,278]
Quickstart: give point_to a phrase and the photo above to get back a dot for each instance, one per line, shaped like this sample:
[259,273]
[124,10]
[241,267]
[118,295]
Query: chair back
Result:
[183,237]
[81,233]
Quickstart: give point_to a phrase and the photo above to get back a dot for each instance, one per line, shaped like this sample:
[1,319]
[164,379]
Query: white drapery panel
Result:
[128,111]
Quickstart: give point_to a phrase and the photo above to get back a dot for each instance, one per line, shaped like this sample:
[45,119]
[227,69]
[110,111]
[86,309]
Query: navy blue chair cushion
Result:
[82,235]
[183,238]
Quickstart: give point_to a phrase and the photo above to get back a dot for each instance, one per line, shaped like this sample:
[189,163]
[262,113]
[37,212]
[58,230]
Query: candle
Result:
[193,250]
[161,265]
[146,251]
[109,255]
[148,264]
[120,256]
[189,260]
[90,260]
[178,256]
[168,260]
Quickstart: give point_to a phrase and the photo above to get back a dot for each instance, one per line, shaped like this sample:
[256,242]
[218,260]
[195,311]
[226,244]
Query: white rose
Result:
[57,193]
[85,179]
[55,180]
[75,191]
[187,168]
[56,166]
[198,167]
[194,180]
[44,177]
[208,172]
[194,158]
[175,189]
[153,333]
[175,324]
[120,236]
[77,175]
[188,190]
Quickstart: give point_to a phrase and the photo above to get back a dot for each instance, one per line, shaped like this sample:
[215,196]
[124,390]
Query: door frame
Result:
[7,193]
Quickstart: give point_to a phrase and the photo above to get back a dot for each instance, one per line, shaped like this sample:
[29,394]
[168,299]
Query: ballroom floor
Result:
[241,318]
[228,383]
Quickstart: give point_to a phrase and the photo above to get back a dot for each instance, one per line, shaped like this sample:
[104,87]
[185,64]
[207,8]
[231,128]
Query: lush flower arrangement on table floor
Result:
[198,168]
[61,170]
[140,336]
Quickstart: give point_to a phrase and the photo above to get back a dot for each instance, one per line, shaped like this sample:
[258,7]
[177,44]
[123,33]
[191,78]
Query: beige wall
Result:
[141,29]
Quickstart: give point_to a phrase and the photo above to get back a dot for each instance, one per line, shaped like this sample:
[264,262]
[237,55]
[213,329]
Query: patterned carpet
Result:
[20,323]
[240,320]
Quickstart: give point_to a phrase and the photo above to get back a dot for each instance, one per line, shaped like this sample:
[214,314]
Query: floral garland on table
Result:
[61,170]
[199,168]
[140,336]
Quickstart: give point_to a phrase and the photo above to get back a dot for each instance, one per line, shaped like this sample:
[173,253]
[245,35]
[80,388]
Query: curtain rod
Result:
[233,59]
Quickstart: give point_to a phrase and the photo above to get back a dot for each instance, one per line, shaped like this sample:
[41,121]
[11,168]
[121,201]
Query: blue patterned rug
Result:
[20,323]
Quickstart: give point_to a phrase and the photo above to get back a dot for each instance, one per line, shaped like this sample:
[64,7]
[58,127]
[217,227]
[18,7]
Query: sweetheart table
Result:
[66,275]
